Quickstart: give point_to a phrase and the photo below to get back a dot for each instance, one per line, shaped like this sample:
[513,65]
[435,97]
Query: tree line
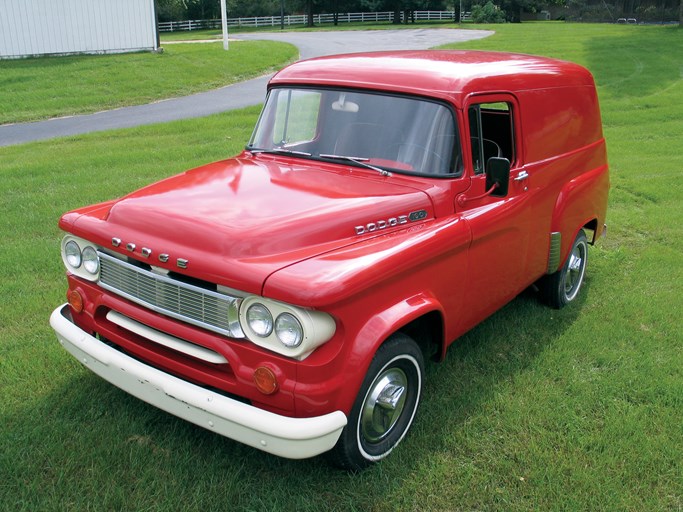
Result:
[175,10]
[485,10]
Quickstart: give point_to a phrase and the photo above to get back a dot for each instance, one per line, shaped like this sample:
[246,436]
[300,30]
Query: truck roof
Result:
[451,74]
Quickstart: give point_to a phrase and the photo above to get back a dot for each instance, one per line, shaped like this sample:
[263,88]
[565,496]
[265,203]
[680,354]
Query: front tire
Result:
[562,287]
[385,406]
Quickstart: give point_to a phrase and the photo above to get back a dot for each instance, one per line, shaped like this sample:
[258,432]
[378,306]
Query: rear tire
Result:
[385,406]
[562,287]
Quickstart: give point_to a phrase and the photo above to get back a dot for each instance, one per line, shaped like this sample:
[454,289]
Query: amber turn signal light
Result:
[265,380]
[75,301]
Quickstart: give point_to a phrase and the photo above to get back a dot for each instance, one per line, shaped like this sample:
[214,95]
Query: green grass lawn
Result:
[41,88]
[535,409]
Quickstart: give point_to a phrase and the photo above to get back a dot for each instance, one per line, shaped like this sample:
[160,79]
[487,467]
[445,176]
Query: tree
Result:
[175,10]
[312,7]
[170,10]
[203,9]
[487,13]
[407,7]
[306,6]
[249,8]
[513,8]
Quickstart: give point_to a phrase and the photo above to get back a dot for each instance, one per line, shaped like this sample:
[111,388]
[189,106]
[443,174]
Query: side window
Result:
[491,133]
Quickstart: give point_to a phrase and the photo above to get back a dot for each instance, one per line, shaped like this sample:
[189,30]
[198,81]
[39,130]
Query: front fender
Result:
[374,332]
[372,289]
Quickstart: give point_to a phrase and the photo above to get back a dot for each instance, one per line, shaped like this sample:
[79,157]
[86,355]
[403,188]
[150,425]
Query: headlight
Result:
[91,262]
[72,254]
[260,320]
[295,332]
[288,330]
[80,257]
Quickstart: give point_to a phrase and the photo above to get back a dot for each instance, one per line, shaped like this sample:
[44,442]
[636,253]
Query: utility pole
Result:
[282,14]
[224,24]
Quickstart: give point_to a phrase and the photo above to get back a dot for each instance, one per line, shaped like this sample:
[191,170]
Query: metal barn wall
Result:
[43,27]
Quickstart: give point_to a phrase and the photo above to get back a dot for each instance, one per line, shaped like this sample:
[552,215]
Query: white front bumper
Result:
[294,438]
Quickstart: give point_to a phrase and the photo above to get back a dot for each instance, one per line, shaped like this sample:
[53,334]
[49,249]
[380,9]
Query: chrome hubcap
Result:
[383,405]
[574,275]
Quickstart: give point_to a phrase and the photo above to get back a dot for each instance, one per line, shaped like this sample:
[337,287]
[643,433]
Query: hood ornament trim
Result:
[146,252]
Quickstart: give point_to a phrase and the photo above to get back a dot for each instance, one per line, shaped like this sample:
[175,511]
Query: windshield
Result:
[396,133]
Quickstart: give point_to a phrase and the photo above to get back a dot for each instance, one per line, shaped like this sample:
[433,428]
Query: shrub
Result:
[488,13]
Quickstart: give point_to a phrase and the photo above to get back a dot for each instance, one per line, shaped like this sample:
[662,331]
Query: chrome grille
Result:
[204,308]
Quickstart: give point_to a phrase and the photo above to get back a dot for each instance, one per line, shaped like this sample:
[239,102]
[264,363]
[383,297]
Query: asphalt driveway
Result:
[244,94]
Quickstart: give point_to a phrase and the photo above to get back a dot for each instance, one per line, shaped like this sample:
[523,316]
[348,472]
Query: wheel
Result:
[385,406]
[562,287]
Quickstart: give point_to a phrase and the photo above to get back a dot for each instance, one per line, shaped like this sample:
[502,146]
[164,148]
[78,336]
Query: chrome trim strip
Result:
[164,339]
[554,252]
[171,297]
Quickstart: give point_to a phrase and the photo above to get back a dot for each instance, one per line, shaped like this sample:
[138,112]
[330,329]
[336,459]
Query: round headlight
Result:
[289,330]
[91,262]
[260,320]
[73,254]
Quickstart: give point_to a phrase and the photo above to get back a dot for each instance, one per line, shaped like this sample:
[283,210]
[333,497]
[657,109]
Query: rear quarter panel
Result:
[566,157]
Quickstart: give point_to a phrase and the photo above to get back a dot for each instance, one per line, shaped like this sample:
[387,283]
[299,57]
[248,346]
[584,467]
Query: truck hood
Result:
[242,219]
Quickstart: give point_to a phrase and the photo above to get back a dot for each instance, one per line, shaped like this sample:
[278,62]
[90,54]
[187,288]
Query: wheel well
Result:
[427,331]
[593,227]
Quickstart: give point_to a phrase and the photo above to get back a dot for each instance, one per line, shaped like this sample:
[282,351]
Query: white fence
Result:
[300,19]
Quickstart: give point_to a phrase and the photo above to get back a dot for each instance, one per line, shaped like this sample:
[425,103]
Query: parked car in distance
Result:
[386,203]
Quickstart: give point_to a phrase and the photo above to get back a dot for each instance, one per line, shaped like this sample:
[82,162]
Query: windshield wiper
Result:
[357,160]
[279,151]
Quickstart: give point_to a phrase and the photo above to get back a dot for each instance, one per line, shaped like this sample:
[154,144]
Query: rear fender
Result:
[581,201]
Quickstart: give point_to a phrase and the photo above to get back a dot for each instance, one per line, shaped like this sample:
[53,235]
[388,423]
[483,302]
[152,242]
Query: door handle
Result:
[521,176]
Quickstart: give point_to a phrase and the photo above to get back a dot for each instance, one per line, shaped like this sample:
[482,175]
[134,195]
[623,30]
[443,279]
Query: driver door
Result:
[499,226]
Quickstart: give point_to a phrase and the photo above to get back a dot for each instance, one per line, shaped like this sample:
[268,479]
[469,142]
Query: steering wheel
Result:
[423,152]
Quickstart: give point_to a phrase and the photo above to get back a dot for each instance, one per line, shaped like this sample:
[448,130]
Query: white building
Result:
[53,27]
